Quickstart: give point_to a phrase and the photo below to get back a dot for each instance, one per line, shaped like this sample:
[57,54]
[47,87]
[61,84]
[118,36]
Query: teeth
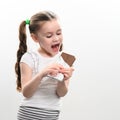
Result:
[55,45]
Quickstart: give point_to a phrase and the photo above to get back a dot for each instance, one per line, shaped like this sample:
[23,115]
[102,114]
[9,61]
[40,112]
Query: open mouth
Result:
[55,47]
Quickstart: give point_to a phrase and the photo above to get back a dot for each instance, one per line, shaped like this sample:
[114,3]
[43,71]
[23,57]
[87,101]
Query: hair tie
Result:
[27,22]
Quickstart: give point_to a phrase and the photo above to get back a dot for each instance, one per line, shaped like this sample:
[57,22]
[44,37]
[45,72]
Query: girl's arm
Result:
[29,83]
[62,87]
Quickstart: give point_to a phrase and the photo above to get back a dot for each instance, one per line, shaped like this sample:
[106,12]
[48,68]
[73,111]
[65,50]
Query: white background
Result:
[91,31]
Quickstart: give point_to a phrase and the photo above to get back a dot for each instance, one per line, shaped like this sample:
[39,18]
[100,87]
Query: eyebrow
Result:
[51,32]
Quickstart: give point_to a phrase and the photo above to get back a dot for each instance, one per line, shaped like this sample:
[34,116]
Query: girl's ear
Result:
[34,37]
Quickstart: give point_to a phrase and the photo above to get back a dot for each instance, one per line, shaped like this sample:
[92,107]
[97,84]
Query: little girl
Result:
[37,71]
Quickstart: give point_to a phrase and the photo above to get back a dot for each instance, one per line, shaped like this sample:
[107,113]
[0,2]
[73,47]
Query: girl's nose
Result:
[56,38]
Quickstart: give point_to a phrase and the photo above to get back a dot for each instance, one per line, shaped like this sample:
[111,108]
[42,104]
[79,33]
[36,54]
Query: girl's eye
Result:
[59,33]
[49,36]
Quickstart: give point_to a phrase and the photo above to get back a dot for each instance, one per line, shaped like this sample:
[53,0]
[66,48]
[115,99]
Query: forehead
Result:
[50,26]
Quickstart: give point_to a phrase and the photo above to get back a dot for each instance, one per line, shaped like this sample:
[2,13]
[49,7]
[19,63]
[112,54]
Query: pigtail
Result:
[21,50]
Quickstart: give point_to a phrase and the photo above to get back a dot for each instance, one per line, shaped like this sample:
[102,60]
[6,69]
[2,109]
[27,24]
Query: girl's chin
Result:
[54,53]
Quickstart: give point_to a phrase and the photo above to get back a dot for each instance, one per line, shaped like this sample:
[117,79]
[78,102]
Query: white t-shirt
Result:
[45,96]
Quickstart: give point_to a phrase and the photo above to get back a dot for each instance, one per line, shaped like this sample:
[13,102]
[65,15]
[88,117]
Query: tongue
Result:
[55,48]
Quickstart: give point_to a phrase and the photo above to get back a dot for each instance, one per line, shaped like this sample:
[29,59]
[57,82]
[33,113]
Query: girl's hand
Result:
[52,69]
[67,72]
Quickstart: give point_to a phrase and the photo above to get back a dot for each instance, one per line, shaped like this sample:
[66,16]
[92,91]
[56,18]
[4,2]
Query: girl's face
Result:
[50,38]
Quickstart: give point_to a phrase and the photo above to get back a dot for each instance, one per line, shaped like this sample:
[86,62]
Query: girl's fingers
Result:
[67,72]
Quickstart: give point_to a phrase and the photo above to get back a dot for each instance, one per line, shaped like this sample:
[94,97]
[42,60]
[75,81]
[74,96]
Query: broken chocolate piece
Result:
[69,59]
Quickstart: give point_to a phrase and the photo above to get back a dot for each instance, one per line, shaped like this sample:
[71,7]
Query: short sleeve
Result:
[27,59]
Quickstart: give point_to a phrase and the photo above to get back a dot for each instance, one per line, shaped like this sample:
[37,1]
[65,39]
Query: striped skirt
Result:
[31,113]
